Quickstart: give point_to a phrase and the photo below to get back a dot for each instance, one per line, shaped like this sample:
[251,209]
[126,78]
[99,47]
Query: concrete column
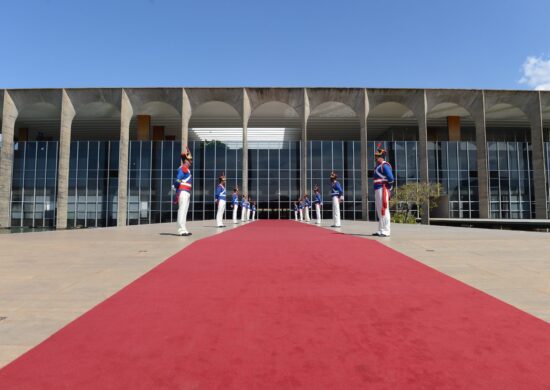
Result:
[539,168]
[67,115]
[423,155]
[303,163]
[246,116]
[185,118]
[126,113]
[364,150]
[482,169]
[9,116]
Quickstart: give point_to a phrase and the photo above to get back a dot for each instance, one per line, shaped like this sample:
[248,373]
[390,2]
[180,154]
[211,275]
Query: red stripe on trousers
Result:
[384,200]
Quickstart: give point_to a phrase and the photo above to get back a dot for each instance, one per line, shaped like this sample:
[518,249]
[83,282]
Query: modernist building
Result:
[100,157]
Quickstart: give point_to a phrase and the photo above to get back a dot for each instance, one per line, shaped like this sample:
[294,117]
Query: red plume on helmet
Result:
[187,155]
[380,152]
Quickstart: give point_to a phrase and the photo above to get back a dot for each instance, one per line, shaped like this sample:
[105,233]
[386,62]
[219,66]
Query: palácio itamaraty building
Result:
[107,156]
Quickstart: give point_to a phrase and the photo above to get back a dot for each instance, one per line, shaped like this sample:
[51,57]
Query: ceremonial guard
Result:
[183,185]
[248,208]
[221,197]
[318,202]
[235,203]
[295,208]
[244,206]
[253,206]
[307,206]
[337,195]
[383,183]
[301,209]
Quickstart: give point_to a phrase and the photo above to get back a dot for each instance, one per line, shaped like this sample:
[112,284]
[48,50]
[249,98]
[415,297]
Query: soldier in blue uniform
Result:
[318,202]
[183,185]
[295,208]
[337,194]
[221,197]
[253,207]
[244,206]
[307,206]
[248,208]
[301,209]
[383,183]
[235,203]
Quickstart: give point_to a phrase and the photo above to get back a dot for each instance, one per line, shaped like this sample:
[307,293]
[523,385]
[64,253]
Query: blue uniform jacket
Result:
[317,199]
[220,192]
[336,189]
[234,200]
[383,176]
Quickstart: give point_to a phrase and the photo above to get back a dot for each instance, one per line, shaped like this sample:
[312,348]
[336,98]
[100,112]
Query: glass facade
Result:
[344,158]
[510,180]
[34,186]
[454,166]
[93,184]
[152,169]
[274,177]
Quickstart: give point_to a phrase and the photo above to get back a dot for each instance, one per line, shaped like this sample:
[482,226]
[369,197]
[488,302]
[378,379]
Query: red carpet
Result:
[283,305]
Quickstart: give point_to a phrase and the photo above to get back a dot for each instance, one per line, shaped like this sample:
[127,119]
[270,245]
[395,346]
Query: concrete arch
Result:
[294,98]
[84,99]
[334,120]
[413,99]
[392,120]
[332,109]
[354,98]
[526,102]
[140,97]
[24,100]
[215,114]
[196,97]
[471,101]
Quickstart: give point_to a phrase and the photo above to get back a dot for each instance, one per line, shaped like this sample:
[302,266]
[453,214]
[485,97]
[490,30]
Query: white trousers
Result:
[235,212]
[220,213]
[248,214]
[336,211]
[306,211]
[296,215]
[243,213]
[183,206]
[318,213]
[381,196]
[253,215]
[301,214]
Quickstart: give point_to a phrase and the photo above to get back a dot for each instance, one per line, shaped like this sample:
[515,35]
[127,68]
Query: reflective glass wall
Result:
[344,158]
[218,157]
[403,157]
[454,166]
[274,177]
[93,184]
[153,166]
[34,186]
[510,180]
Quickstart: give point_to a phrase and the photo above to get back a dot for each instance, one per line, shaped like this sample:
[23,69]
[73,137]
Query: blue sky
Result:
[399,43]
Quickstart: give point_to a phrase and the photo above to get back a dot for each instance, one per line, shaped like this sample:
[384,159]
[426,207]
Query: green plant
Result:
[413,196]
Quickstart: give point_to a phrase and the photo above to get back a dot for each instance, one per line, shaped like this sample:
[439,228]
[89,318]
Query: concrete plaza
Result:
[48,279]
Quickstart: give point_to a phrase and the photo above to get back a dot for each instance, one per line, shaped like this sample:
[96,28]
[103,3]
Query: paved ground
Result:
[47,279]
